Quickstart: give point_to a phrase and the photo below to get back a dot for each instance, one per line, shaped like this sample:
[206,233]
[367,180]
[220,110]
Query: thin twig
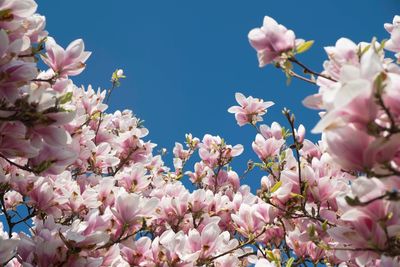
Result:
[8,217]
[393,195]
[308,70]
[387,111]
[25,168]
[101,113]
[250,241]
[51,81]
[296,146]
[294,74]
[124,161]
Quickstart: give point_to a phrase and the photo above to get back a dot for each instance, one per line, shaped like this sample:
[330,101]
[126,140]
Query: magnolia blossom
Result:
[129,208]
[250,109]
[271,40]
[267,148]
[66,62]
[264,263]
[393,44]
[252,219]
[214,152]
[8,246]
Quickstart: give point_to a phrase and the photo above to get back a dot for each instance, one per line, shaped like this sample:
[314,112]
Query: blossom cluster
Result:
[88,188]
[349,181]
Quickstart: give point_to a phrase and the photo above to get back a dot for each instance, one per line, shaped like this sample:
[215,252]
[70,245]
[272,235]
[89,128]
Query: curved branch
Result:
[25,168]
[248,242]
[308,70]
[294,74]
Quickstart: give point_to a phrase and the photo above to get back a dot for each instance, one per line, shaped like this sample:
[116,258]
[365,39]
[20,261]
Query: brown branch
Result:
[298,216]
[216,178]
[250,167]
[248,242]
[24,220]
[124,161]
[290,118]
[121,238]
[8,217]
[114,85]
[51,81]
[308,70]
[247,254]
[9,221]
[25,168]
[359,249]
[294,74]
[391,196]
[27,55]
[185,161]
[31,215]
[387,111]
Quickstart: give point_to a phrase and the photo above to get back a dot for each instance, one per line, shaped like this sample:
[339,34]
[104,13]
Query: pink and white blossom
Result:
[250,110]
[271,40]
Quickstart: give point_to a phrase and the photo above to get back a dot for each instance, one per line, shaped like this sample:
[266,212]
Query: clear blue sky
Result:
[186,59]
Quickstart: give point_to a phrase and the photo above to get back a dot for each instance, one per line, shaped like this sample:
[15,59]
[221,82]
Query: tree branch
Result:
[308,70]
[248,242]
[25,168]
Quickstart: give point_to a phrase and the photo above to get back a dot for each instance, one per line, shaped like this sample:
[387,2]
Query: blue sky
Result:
[184,60]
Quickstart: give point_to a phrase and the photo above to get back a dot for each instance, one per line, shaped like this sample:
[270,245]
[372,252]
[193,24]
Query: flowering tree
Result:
[90,192]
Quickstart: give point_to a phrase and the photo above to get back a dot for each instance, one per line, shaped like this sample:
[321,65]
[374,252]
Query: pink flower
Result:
[174,208]
[387,261]
[362,152]
[42,196]
[12,199]
[14,74]
[267,148]
[8,247]
[344,66]
[79,236]
[134,178]
[349,154]
[271,40]
[250,109]
[180,152]
[130,208]
[351,101]
[53,159]
[19,9]
[392,94]
[200,172]
[14,141]
[200,200]
[250,220]
[137,252]
[275,131]
[393,44]
[214,151]
[105,156]
[264,263]
[204,243]
[344,52]
[36,25]
[300,133]
[66,62]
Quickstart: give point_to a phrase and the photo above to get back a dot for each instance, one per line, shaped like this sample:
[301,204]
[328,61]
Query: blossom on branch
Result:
[271,41]
[250,110]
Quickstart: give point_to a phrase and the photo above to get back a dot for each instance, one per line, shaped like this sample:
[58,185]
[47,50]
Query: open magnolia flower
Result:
[66,62]
[250,110]
[393,44]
